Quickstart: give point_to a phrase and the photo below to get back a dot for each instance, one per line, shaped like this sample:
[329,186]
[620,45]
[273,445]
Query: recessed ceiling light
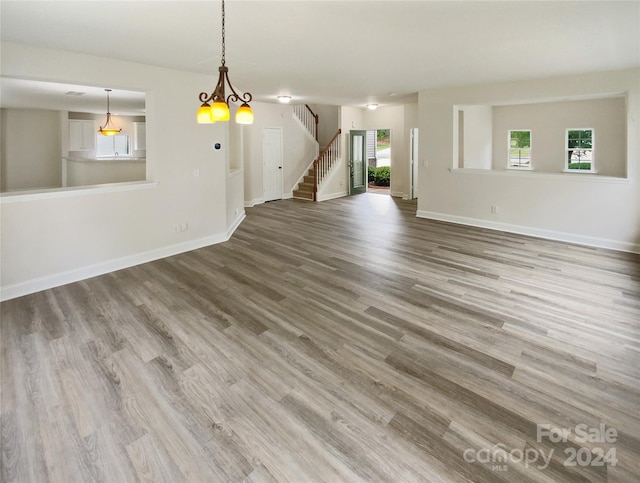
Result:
[75,93]
[372,107]
[284,99]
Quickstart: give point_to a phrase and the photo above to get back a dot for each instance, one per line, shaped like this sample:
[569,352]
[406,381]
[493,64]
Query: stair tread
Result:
[303,194]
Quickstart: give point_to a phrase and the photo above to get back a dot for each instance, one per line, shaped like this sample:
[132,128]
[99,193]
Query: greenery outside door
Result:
[357,162]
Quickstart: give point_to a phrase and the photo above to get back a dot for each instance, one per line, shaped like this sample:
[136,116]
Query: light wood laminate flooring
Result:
[337,341]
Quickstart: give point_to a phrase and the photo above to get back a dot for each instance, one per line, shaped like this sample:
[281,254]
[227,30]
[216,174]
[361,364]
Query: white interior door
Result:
[413,150]
[272,162]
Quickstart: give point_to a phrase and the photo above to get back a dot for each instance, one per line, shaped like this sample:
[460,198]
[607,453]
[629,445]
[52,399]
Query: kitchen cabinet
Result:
[82,135]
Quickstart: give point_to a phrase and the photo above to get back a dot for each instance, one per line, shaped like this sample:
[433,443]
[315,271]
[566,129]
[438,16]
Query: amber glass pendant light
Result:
[108,129]
[215,106]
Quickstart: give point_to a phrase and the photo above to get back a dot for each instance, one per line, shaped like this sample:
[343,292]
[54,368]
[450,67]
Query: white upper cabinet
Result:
[82,135]
[140,136]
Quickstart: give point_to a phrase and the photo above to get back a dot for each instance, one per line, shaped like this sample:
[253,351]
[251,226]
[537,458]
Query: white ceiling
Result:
[342,52]
[23,93]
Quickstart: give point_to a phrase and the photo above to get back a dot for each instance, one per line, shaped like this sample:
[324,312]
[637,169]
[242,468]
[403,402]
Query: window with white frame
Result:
[519,149]
[579,150]
[112,146]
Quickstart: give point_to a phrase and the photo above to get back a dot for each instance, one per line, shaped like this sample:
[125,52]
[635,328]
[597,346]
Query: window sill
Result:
[539,175]
[519,168]
[54,193]
[580,171]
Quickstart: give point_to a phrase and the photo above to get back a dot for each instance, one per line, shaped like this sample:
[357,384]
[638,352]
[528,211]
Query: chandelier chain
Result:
[223,46]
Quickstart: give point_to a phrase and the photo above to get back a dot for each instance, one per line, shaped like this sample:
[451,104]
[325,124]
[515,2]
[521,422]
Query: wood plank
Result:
[339,341]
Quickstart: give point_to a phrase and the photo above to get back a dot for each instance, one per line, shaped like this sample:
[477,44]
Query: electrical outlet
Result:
[196,173]
[184,226]
[494,209]
[176,228]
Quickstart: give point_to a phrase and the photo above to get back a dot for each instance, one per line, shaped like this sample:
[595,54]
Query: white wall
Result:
[351,118]
[548,122]
[392,118]
[31,151]
[35,141]
[478,126]
[328,122]
[299,149]
[235,200]
[399,119]
[235,172]
[51,239]
[587,209]
[83,173]
[410,122]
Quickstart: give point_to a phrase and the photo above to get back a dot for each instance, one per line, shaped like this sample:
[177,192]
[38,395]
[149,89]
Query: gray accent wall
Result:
[548,122]
[31,149]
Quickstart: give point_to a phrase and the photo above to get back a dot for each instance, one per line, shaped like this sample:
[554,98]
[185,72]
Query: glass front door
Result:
[357,162]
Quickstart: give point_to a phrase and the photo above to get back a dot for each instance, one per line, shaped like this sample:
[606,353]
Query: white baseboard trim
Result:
[259,201]
[236,223]
[331,196]
[253,202]
[534,232]
[399,194]
[82,273]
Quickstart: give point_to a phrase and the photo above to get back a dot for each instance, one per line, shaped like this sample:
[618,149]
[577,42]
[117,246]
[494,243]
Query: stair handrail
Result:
[307,118]
[324,162]
[316,119]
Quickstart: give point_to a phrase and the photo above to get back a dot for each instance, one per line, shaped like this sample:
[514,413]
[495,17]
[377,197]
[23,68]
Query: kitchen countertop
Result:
[110,159]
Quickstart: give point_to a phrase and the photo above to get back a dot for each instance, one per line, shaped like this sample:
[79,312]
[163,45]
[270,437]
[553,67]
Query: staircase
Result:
[305,188]
[307,118]
[310,183]
[322,166]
